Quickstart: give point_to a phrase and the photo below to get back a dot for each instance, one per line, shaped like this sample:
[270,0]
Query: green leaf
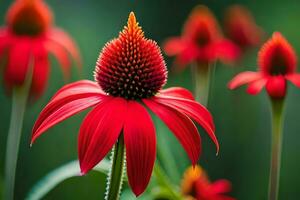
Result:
[58,175]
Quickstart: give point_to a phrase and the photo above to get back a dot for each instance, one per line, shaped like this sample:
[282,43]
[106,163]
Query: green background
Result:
[242,121]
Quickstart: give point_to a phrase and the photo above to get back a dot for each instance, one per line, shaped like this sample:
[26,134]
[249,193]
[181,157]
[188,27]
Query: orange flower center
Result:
[29,17]
[131,66]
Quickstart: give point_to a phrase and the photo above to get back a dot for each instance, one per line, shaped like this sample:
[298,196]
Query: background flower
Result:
[277,63]
[201,40]
[196,185]
[240,27]
[27,39]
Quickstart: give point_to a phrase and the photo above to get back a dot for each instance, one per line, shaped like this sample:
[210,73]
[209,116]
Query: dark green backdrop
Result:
[242,121]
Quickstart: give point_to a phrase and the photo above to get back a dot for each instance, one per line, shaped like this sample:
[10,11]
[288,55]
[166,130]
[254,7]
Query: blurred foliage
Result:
[242,121]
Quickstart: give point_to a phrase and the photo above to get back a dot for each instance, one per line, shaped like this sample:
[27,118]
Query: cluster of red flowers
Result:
[129,76]
[203,42]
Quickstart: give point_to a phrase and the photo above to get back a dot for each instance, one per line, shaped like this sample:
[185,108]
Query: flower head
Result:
[201,40]
[241,28]
[27,39]
[197,186]
[277,63]
[131,66]
[129,75]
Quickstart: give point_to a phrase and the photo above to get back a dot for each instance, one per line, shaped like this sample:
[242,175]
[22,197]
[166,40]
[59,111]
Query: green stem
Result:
[277,127]
[165,155]
[202,75]
[13,139]
[164,181]
[115,177]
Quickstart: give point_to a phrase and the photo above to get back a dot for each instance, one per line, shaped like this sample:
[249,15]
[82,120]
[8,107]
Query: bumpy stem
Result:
[115,177]
[277,127]
[13,139]
[202,75]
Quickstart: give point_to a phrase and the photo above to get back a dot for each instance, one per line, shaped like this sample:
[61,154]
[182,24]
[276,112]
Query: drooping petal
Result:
[178,92]
[62,38]
[174,45]
[40,72]
[61,55]
[18,62]
[67,102]
[256,86]
[193,110]
[276,86]
[140,144]
[294,78]
[243,78]
[181,125]
[100,131]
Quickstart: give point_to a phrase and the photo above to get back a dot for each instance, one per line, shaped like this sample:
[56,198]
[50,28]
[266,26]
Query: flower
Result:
[201,41]
[277,61]
[27,39]
[197,186]
[130,73]
[240,27]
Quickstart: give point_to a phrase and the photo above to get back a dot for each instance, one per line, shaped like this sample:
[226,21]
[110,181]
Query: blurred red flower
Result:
[129,75]
[201,41]
[197,186]
[26,40]
[277,61]
[241,28]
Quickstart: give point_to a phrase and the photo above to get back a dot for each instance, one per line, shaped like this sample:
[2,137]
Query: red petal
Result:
[227,51]
[61,55]
[221,186]
[256,86]
[4,42]
[62,38]
[276,86]
[173,46]
[78,88]
[181,125]
[178,92]
[243,78]
[188,55]
[100,131]
[67,102]
[294,78]
[18,62]
[140,144]
[40,70]
[193,110]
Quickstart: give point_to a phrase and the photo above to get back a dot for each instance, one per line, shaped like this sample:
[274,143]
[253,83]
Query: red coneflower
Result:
[197,186]
[241,28]
[26,41]
[130,73]
[201,45]
[201,41]
[277,62]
